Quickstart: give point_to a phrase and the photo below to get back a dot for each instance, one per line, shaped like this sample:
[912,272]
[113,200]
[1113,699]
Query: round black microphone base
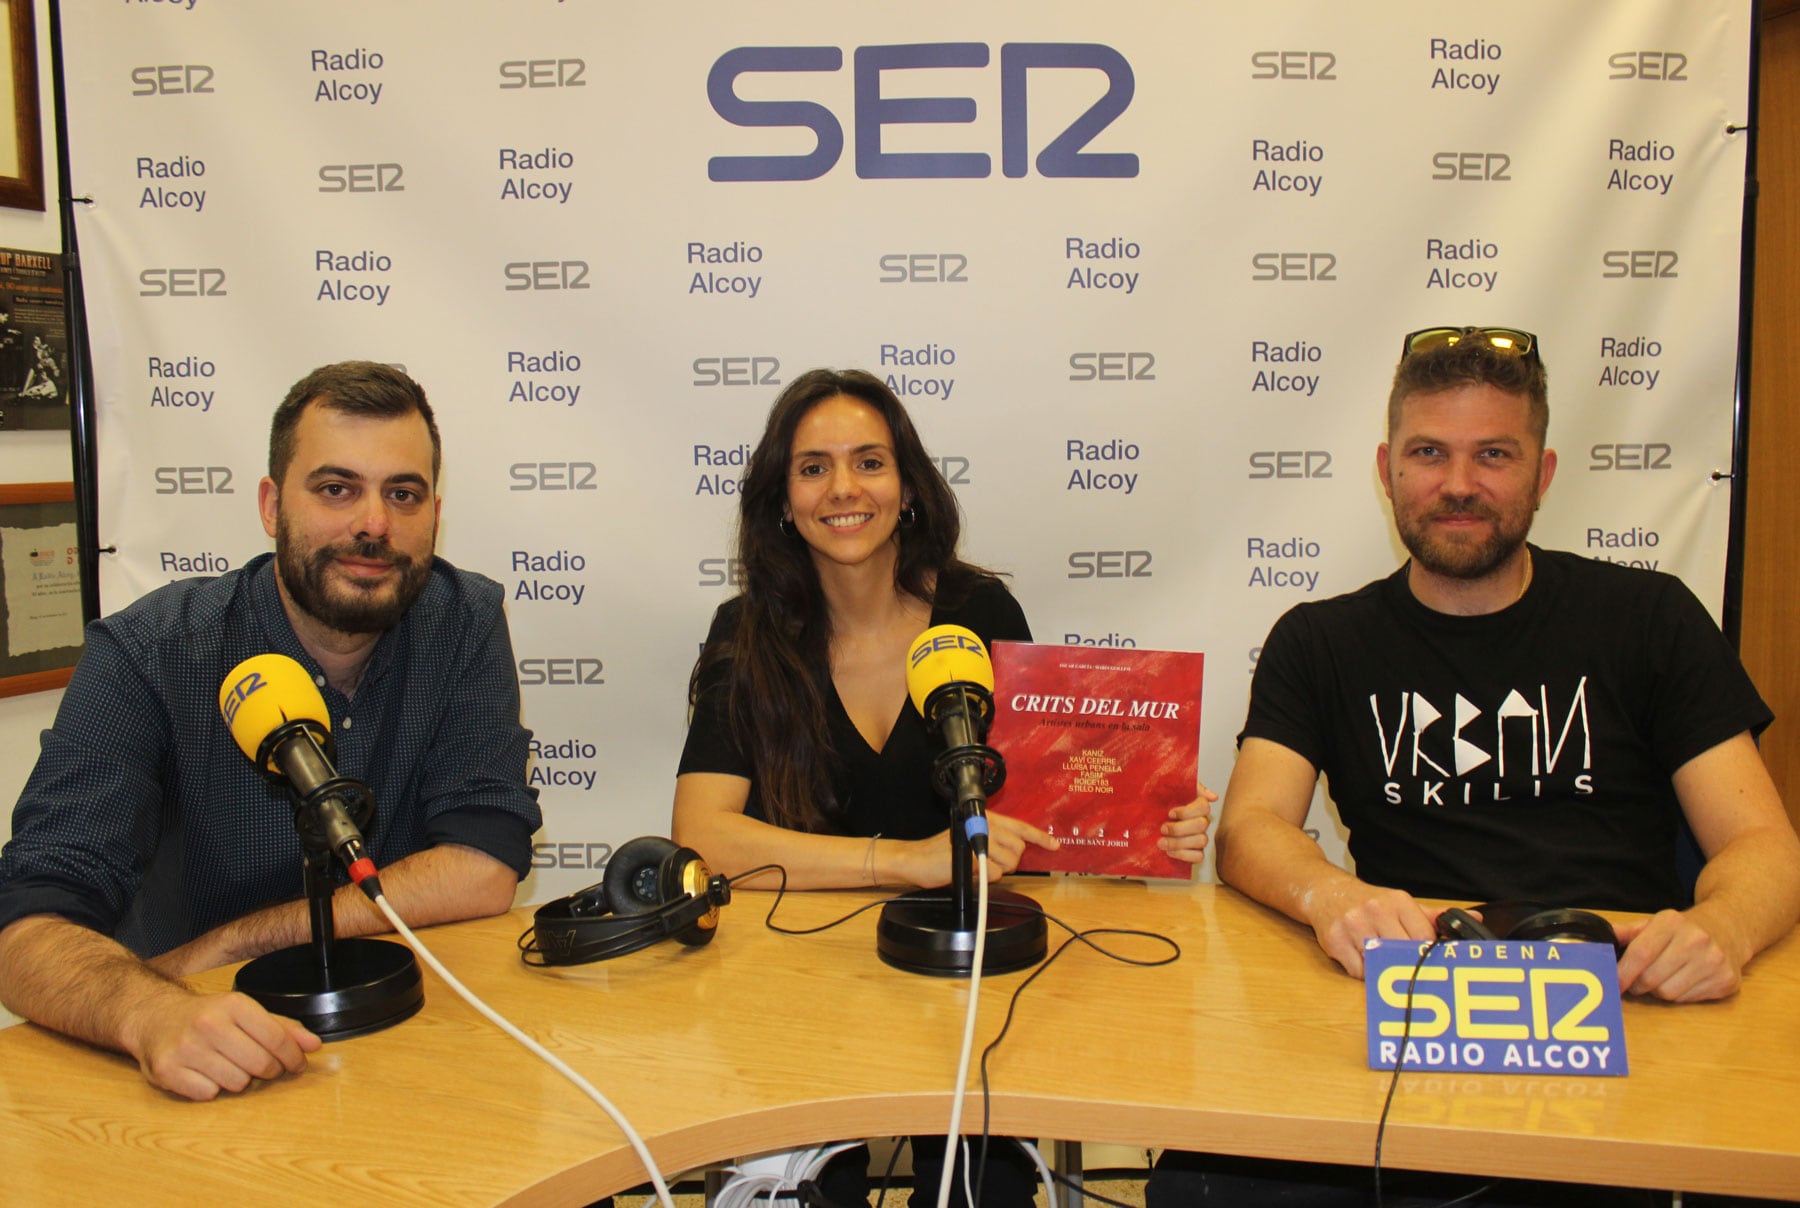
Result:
[371,985]
[919,933]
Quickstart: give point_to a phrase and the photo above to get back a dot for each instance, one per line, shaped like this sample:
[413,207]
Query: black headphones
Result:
[1525,921]
[652,890]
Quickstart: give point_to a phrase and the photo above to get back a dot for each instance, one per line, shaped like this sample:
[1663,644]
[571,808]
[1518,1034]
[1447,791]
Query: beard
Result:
[347,605]
[1464,555]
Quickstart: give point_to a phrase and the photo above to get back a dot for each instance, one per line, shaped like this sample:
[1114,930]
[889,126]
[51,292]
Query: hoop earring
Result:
[909,516]
[788,527]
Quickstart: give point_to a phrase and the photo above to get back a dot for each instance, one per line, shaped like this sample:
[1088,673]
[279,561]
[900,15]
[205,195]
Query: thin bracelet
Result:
[869,860]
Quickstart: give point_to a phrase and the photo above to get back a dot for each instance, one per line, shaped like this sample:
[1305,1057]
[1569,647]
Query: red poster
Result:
[1100,744]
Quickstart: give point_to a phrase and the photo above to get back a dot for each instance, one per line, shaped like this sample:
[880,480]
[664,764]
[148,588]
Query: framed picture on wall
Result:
[40,587]
[21,143]
[34,341]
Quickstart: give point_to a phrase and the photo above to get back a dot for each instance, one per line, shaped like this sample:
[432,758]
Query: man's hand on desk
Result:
[76,981]
[1347,912]
[196,1045]
[1675,956]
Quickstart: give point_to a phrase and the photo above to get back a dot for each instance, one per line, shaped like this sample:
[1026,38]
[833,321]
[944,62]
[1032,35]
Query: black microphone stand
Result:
[925,932]
[336,988]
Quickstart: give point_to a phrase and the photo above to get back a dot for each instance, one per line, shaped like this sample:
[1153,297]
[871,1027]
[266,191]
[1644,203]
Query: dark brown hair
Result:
[366,388]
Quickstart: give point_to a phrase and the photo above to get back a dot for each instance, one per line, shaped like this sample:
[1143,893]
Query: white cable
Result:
[968,1044]
[1043,1168]
[556,1063]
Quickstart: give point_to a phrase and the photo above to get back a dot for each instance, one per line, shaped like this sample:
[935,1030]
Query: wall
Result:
[31,456]
[1772,553]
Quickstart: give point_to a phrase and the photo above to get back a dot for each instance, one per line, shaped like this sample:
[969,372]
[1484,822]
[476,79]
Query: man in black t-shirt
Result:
[1499,721]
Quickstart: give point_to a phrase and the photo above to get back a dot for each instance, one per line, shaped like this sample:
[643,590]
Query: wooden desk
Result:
[1252,1043]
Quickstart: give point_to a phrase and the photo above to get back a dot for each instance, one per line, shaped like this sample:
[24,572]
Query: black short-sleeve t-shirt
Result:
[1522,754]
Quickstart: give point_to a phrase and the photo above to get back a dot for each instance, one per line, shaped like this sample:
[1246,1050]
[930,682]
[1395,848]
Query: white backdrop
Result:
[1140,270]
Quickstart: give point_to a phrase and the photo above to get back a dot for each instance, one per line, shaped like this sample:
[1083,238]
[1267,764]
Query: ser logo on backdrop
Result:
[1471,165]
[553,476]
[546,275]
[1293,266]
[1639,264]
[181,283]
[1659,66]
[1293,65]
[1112,366]
[361,178]
[1639,455]
[1110,564]
[193,480]
[752,369]
[543,73]
[1290,463]
[171,79]
[924,268]
[1064,155]
[566,671]
[570,855]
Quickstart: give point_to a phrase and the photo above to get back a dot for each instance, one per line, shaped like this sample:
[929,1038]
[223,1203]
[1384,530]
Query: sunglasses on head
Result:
[1508,341]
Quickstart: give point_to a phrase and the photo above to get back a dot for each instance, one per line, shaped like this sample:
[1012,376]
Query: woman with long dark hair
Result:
[804,749]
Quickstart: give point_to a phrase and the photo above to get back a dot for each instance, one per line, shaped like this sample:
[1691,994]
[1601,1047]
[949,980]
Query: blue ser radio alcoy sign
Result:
[1534,1007]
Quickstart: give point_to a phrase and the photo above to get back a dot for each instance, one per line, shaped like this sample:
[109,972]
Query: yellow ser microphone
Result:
[951,681]
[264,694]
[946,654]
[279,721]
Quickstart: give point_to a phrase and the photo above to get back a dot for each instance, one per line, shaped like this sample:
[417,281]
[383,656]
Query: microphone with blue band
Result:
[951,682]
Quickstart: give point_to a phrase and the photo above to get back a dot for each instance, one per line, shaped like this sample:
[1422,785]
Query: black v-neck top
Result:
[886,792]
